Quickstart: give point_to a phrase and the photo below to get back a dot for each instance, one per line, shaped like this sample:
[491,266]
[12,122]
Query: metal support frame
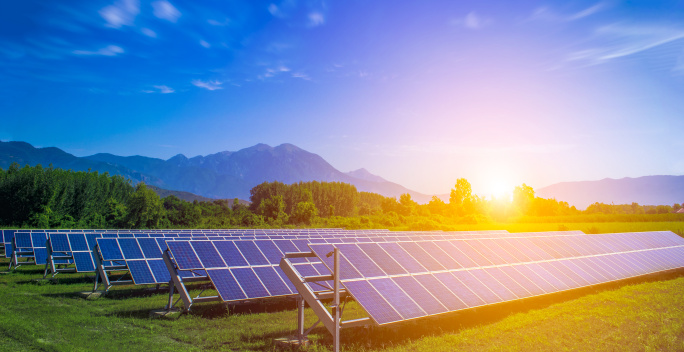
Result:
[101,271]
[332,322]
[52,267]
[177,283]
[18,253]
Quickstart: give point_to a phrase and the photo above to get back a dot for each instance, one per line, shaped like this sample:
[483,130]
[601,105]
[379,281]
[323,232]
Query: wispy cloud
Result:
[301,75]
[121,13]
[316,19]
[472,21]
[110,50]
[547,14]
[620,40]
[148,32]
[203,43]
[271,72]
[210,85]
[275,11]
[164,10]
[165,89]
[219,23]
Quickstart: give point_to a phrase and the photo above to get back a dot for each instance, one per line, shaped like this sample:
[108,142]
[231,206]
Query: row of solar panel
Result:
[398,258]
[228,256]
[28,240]
[400,298]
[9,235]
[389,295]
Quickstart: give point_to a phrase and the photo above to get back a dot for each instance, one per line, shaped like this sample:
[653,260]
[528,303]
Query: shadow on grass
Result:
[449,323]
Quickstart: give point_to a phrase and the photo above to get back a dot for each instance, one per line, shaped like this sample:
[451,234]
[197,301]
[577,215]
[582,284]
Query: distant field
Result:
[39,315]
[588,227]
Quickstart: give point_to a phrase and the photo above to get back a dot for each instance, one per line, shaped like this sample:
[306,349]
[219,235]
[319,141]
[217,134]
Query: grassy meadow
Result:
[644,314]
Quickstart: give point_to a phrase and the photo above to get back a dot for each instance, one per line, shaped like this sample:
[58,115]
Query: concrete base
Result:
[164,313]
[90,295]
[289,342]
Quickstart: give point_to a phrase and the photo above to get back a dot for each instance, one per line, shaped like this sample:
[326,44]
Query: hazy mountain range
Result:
[646,190]
[233,174]
[221,175]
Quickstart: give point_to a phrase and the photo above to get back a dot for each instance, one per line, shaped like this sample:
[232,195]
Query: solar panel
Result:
[507,269]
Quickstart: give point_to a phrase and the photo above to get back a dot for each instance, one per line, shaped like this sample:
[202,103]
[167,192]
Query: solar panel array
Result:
[401,280]
[249,269]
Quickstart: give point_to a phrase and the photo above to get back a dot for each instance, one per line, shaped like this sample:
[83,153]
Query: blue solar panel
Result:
[38,240]
[441,292]
[140,272]
[420,295]
[150,248]
[59,242]
[207,254]
[251,253]
[40,255]
[397,298]
[230,253]
[78,242]
[381,258]
[249,282]
[84,261]
[361,261]
[272,280]
[467,280]
[23,240]
[185,257]
[270,250]
[109,248]
[507,282]
[421,256]
[372,302]
[403,257]
[226,285]
[159,270]
[130,248]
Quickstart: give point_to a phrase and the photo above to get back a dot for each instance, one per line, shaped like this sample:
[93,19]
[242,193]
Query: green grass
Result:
[40,315]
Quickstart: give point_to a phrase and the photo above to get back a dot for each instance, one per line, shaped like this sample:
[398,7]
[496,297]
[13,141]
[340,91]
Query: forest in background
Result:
[38,197]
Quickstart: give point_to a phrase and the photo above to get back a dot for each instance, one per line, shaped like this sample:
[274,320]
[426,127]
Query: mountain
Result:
[224,175]
[646,190]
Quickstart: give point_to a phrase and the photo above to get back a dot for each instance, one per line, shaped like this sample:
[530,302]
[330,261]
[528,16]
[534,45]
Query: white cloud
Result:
[148,32]
[301,75]
[210,85]
[204,44]
[547,14]
[110,50]
[472,21]
[164,10]
[218,23]
[121,13]
[316,19]
[165,89]
[587,12]
[273,9]
[619,40]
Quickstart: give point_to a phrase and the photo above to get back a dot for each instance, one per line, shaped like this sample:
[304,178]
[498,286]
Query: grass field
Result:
[587,227]
[41,315]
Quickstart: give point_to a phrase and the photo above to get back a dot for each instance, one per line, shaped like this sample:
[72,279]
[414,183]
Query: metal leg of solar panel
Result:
[102,272]
[179,283]
[332,322]
[51,266]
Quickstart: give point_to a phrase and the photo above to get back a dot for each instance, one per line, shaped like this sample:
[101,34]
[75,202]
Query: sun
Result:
[499,189]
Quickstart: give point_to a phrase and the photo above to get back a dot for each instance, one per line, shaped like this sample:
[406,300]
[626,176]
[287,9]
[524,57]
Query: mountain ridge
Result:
[220,175]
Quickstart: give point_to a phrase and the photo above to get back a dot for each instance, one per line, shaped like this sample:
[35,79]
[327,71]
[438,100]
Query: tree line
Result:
[54,198]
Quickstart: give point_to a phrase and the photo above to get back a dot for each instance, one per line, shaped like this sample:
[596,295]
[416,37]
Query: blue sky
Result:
[418,92]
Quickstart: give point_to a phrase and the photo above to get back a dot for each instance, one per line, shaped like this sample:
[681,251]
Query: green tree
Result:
[304,213]
[145,209]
